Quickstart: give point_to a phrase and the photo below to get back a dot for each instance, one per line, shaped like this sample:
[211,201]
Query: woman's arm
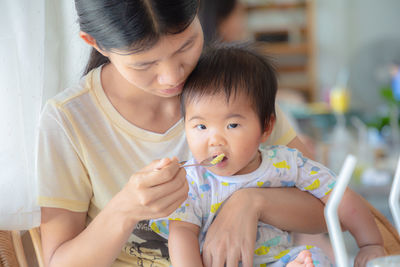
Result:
[183,244]
[154,192]
[290,209]
[66,241]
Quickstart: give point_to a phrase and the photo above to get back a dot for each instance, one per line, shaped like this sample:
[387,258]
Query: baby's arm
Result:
[183,244]
[355,216]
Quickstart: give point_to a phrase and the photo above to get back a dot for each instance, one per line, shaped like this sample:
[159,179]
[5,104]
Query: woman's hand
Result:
[157,190]
[232,236]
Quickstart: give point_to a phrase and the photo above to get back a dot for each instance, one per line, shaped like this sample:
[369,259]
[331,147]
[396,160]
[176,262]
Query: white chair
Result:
[391,239]
[394,197]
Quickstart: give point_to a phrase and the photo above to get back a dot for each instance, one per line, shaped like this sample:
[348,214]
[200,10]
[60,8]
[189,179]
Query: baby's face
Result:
[214,126]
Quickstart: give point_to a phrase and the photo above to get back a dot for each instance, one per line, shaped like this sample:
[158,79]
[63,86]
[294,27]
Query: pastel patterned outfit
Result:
[280,167]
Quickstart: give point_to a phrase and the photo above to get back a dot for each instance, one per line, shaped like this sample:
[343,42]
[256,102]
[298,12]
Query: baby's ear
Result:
[269,125]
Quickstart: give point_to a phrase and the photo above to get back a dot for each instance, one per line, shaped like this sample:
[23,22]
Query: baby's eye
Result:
[201,126]
[232,125]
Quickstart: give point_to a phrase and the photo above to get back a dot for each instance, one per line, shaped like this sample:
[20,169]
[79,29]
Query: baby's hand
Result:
[367,253]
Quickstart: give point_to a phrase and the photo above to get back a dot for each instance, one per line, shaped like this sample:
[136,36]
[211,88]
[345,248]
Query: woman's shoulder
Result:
[282,132]
[76,92]
[73,102]
[75,97]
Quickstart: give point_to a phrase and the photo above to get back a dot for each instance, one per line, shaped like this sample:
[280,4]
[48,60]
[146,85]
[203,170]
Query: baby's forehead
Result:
[212,103]
[229,96]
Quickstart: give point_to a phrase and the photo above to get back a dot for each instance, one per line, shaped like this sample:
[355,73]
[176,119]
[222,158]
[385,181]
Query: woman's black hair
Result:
[211,14]
[231,70]
[131,25]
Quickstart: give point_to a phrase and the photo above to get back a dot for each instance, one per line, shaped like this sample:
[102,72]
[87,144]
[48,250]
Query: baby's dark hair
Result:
[231,69]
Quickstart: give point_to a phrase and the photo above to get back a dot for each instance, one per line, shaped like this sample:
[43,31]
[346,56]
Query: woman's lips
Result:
[172,91]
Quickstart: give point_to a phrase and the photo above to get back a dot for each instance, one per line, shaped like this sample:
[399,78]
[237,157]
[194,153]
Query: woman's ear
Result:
[269,125]
[92,42]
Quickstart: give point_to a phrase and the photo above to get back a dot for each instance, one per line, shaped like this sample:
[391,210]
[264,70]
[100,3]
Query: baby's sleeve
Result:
[314,177]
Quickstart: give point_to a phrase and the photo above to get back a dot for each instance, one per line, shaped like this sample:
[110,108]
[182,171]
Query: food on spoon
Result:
[218,159]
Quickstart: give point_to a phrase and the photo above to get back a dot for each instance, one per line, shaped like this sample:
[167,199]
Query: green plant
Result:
[380,121]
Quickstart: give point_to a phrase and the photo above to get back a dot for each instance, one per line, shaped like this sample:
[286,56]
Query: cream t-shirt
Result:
[87,151]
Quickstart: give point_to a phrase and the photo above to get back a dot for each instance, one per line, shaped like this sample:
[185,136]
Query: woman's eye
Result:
[232,125]
[201,127]
[143,68]
[186,47]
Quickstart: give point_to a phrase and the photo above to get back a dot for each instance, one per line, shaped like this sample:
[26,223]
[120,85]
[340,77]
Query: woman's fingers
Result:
[218,259]
[158,189]
[176,186]
[247,257]
[232,235]
[157,173]
[170,202]
[233,257]
[207,258]
[156,164]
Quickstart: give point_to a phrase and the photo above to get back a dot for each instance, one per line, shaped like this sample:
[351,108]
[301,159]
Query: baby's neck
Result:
[253,165]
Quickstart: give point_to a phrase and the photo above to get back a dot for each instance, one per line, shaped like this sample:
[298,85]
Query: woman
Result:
[97,187]
[223,20]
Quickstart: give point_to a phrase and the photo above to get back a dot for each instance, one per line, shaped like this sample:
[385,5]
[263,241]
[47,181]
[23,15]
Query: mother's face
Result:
[163,69]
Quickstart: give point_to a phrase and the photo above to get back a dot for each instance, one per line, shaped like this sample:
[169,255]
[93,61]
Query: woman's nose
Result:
[171,74]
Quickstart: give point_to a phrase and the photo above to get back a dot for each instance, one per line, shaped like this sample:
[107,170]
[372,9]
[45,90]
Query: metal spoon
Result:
[208,162]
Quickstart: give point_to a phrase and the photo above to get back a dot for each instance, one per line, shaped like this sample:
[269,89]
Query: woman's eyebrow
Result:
[187,43]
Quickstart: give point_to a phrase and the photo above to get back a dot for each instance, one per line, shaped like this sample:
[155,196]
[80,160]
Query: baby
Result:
[228,104]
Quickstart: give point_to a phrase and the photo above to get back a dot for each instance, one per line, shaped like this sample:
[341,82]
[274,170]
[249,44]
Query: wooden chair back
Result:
[391,238]
[37,245]
[12,252]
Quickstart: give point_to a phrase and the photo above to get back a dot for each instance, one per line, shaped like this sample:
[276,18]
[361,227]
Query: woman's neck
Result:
[143,109]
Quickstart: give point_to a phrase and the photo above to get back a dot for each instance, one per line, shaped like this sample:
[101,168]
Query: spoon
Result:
[208,162]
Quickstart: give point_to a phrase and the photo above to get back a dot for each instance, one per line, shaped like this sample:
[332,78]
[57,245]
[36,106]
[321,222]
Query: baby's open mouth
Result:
[218,158]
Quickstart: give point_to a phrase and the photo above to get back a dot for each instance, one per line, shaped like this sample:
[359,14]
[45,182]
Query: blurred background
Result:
[339,82]
[338,65]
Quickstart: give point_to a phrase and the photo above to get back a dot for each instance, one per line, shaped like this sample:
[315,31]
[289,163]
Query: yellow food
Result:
[218,159]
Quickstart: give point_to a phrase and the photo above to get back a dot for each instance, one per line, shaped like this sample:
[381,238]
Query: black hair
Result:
[233,69]
[211,14]
[131,25]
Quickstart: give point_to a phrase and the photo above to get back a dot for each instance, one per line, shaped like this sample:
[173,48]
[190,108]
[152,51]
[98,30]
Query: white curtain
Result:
[40,54]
